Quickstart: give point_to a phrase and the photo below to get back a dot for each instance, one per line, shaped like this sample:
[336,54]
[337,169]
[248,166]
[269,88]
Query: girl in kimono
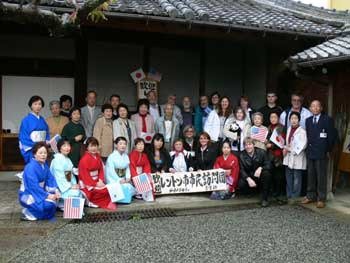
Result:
[181,160]
[158,156]
[92,179]
[75,133]
[62,169]
[38,193]
[33,128]
[139,162]
[117,167]
[123,127]
[229,162]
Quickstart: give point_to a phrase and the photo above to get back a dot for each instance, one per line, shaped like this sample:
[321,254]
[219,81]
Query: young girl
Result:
[139,162]
[117,169]
[75,133]
[258,132]
[62,169]
[158,156]
[230,164]
[38,193]
[92,179]
[181,160]
[276,156]
[33,128]
[295,156]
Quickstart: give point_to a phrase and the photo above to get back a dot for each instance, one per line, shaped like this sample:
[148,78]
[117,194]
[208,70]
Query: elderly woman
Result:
[144,121]
[56,122]
[33,128]
[123,127]
[103,131]
[38,193]
[190,140]
[118,170]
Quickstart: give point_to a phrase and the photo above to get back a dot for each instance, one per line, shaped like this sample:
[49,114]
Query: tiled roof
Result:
[283,16]
[332,50]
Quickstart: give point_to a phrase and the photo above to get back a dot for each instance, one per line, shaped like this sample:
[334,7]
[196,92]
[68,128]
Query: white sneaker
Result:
[19,176]
[92,205]
[26,216]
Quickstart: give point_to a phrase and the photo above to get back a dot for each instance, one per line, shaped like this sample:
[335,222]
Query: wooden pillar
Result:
[80,70]
[330,168]
[202,68]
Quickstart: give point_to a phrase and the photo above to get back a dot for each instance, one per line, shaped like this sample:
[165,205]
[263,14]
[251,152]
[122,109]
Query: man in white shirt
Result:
[154,107]
[90,113]
[297,106]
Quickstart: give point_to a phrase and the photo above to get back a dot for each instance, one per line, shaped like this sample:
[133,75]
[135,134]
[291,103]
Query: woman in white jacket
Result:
[294,155]
[215,123]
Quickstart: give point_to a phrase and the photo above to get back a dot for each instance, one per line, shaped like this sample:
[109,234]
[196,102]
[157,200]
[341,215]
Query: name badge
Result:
[323,135]
[193,153]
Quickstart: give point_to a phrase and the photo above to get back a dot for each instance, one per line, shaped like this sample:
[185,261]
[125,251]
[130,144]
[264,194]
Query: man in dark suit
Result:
[321,136]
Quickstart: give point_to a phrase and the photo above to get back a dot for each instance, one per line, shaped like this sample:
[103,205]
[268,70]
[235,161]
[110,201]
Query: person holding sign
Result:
[118,170]
[139,162]
[158,156]
[33,128]
[229,162]
[258,132]
[181,160]
[206,153]
[144,121]
[254,171]
[92,178]
[295,156]
[275,143]
[321,136]
[62,169]
[38,193]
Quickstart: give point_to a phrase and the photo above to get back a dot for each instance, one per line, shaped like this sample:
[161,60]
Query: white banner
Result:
[189,182]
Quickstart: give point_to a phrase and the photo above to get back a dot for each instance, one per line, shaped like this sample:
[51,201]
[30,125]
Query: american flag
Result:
[53,142]
[142,183]
[73,208]
[154,74]
[258,133]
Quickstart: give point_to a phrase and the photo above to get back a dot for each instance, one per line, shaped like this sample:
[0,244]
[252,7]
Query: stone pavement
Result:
[17,236]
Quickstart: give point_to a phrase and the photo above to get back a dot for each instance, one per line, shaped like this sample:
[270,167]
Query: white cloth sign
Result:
[189,182]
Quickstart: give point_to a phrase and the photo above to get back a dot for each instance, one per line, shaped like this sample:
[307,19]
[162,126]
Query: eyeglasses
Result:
[189,131]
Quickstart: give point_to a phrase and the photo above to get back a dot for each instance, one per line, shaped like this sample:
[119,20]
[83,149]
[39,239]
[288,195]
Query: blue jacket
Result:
[320,136]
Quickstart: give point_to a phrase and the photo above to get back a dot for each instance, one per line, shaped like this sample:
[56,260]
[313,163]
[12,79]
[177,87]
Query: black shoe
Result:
[264,203]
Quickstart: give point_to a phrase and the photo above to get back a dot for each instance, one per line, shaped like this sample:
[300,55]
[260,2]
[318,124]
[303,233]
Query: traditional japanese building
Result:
[234,47]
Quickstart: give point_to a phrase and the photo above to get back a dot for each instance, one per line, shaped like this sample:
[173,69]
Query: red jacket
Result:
[139,161]
[231,163]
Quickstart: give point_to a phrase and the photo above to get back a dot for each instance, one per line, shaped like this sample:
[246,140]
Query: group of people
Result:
[101,146]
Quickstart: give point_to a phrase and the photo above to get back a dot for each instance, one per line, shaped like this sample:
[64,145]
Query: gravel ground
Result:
[275,234]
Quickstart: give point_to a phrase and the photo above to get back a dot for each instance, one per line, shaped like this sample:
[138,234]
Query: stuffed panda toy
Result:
[236,133]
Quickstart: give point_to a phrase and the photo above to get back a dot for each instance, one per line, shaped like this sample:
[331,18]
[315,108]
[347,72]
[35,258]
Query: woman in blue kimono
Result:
[38,193]
[33,128]
[117,168]
[62,169]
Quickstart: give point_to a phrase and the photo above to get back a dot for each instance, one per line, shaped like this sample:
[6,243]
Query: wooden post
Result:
[330,168]
[80,70]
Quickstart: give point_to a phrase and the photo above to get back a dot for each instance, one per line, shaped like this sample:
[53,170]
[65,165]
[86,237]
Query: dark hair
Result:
[229,109]
[120,138]
[142,102]
[91,140]
[275,112]
[73,110]
[239,108]
[61,142]
[91,91]
[138,140]
[243,97]
[63,98]
[122,105]
[38,145]
[222,145]
[213,94]
[157,137]
[205,134]
[178,140]
[296,114]
[106,106]
[35,98]
[114,96]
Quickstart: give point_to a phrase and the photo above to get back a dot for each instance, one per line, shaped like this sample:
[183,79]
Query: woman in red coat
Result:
[139,162]
[230,164]
[91,177]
